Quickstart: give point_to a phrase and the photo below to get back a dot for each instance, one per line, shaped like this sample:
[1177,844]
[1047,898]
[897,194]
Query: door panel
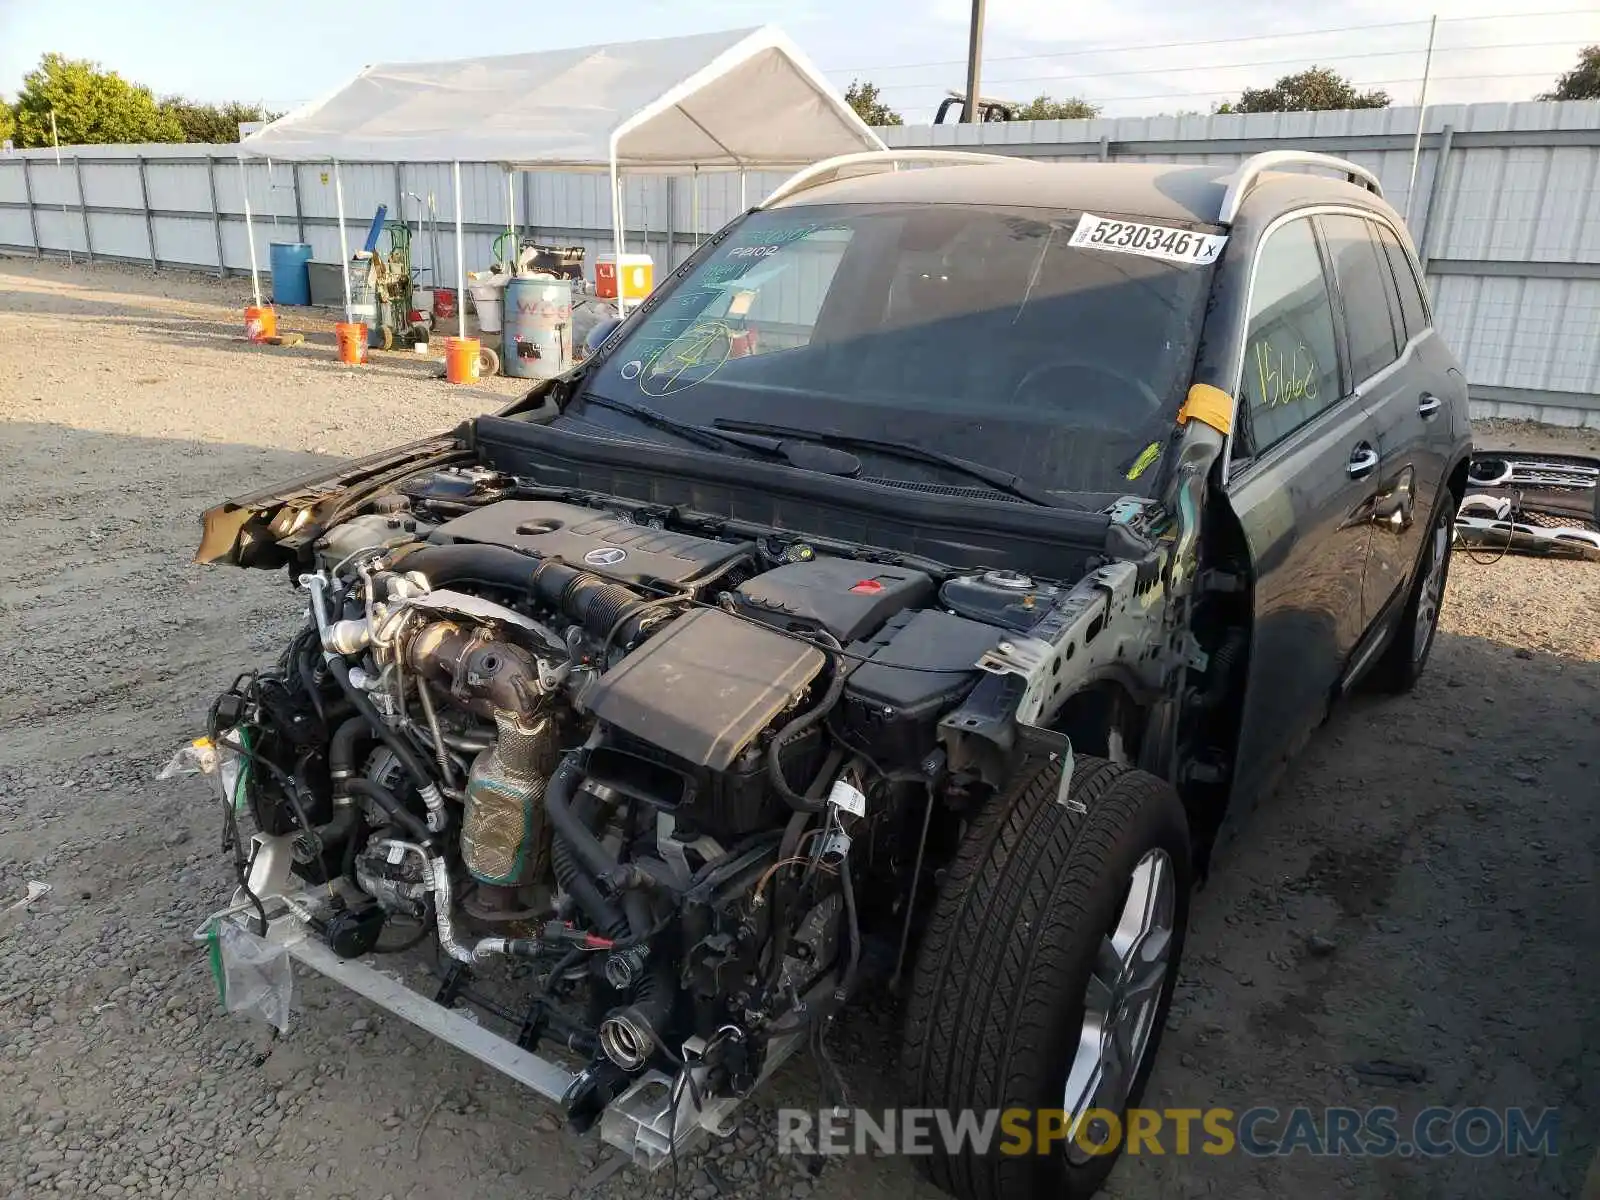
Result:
[1307,523]
[1403,398]
[1306,464]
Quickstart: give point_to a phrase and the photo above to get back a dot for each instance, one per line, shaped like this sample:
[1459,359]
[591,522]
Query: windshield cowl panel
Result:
[967,330]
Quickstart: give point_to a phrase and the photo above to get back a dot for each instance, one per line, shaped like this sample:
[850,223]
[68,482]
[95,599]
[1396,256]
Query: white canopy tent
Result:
[743,100]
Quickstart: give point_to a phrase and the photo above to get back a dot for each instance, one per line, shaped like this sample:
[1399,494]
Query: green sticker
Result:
[1146,456]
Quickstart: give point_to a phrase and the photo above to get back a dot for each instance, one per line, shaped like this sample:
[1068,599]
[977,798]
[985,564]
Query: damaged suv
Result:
[897,599]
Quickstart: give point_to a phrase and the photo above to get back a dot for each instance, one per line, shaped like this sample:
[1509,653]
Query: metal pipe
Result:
[974,62]
[144,200]
[250,233]
[616,229]
[299,212]
[216,215]
[1440,166]
[511,217]
[33,217]
[83,208]
[1422,117]
[55,140]
[344,244]
[461,260]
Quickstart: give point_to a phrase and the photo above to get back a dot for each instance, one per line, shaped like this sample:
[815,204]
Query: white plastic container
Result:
[487,290]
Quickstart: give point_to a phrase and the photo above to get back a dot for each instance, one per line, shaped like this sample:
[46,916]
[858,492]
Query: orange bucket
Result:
[260,324]
[352,341]
[461,360]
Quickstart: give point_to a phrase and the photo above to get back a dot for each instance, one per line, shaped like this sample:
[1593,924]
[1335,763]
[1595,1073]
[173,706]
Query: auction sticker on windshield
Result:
[1152,241]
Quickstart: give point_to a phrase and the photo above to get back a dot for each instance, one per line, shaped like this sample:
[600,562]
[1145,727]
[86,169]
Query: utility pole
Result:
[974,62]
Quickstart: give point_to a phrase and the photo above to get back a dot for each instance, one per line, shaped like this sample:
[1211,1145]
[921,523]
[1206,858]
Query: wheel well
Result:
[1458,479]
[1212,700]
[1090,716]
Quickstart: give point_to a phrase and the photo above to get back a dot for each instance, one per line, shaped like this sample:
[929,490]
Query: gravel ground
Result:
[1419,889]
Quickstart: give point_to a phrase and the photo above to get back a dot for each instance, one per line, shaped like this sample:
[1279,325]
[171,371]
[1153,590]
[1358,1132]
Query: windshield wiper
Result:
[806,454]
[995,477]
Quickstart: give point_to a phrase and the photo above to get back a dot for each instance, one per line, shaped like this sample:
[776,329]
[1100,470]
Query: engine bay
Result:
[683,780]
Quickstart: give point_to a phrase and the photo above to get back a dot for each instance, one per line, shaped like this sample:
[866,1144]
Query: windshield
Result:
[978,331]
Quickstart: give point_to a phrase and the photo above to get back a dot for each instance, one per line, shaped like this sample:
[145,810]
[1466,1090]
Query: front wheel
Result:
[1045,976]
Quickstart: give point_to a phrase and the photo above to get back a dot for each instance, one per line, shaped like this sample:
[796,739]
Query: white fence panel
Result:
[1510,232]
[178,187]
[119,234]
[14,228]
[13,188]
[189,240]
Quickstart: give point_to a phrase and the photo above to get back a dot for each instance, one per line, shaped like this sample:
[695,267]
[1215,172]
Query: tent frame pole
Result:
[461,257]
[511,218]
[616,228]
[250,233]
[344,245]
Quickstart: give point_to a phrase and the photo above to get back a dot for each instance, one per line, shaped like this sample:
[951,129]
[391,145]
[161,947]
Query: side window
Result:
[1366,306]
[1291,368]
[1413,305]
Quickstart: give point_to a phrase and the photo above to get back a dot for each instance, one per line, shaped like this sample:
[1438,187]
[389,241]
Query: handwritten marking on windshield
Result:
[1285,378]
[705,346]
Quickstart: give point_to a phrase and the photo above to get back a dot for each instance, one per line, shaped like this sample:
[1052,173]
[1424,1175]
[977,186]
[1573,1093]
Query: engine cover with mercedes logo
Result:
[600,541]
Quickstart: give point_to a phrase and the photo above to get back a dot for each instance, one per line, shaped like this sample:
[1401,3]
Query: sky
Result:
[1132,57]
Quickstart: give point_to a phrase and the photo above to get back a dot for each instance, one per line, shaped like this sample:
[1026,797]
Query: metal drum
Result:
[538,327]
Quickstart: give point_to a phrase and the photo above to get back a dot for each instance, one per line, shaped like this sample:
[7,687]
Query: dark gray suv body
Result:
[1038,512]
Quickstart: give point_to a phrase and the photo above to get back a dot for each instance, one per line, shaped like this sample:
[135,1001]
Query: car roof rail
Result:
[1251,170]
[830,169]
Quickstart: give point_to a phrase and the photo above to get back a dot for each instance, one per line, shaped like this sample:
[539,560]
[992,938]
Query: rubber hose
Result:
[398,813]
[409,758]
[342,747]
[847,980]
[492,566]
[341,828]
[787,849]
[637,907]
[796,727]
[592,856]
[607,918]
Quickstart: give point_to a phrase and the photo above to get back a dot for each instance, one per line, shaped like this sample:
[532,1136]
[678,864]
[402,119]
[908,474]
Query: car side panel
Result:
[1306,523]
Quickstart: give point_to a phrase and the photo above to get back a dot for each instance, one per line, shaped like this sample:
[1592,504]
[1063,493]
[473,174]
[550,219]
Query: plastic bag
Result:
[202,757]
[254,977]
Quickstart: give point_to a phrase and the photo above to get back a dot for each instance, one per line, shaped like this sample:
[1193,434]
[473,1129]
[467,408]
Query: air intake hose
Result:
[595,603]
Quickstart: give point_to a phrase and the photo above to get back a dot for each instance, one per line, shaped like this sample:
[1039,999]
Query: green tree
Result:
[1043,108]
[92,106]
[863,97]
[214,124]
[1582,82]
[1314,89]
[8,123]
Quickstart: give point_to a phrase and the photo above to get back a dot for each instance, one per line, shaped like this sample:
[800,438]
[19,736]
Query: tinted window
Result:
[1366,305]
[1413,306]
[1291,369]
[976,330]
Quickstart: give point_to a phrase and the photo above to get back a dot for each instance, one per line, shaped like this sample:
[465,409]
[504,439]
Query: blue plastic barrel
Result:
[291,282]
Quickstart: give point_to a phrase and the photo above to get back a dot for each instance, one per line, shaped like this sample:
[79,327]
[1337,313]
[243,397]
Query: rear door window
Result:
[1291,365]
[1413,304]
[1361,273]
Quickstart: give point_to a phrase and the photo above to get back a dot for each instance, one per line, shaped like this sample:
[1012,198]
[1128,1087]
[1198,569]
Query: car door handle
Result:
[1429,405]
[1363,461]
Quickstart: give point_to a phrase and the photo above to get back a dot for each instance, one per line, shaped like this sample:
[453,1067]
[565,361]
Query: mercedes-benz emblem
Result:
[605,556]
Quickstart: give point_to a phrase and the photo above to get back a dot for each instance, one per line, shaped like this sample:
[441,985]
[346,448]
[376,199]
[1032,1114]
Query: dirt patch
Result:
[1419,890]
